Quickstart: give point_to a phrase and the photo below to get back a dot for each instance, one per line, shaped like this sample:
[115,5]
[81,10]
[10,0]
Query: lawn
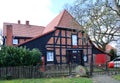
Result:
[117,77]
[49,80]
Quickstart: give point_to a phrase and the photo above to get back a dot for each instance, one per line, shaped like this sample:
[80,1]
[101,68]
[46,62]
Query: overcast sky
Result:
[38,12]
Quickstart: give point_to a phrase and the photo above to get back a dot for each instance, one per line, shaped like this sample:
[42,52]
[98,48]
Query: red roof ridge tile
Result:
[61,16]
[67,20]
[65,11]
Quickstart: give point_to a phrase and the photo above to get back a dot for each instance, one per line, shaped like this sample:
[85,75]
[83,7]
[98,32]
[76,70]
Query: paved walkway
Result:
[104,79]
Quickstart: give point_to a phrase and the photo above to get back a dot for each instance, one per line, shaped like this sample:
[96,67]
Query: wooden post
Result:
[43,64]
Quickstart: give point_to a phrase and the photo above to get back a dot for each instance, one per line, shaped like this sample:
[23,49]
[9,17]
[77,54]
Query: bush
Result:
[18,56]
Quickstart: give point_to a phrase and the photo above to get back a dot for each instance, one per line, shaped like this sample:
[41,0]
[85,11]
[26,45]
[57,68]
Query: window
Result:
[50,56]
[85,58]
[74,39]
[15,41]
[74,51]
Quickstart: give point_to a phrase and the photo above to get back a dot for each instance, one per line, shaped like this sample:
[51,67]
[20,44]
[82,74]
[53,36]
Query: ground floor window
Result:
[85,58]
[50,56]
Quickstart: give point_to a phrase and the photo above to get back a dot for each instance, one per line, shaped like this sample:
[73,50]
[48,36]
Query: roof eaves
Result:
[97,48]
[35,38]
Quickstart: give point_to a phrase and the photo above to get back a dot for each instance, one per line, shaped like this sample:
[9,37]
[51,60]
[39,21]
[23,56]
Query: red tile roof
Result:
[23,30]
[67,21]
[64,20]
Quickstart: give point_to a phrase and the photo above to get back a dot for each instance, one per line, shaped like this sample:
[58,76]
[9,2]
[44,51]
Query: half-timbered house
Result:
[63,41]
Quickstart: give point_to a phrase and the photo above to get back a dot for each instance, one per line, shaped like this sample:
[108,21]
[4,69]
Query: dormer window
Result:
[15,41]
[74,39]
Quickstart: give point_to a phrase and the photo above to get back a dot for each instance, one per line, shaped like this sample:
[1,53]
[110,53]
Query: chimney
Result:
[19,22]
[27,22]
[9,35]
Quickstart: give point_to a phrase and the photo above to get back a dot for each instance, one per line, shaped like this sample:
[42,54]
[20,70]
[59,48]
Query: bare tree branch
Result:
[98,19]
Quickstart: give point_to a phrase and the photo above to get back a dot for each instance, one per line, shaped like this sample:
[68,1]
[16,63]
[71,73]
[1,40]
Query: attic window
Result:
[15,41]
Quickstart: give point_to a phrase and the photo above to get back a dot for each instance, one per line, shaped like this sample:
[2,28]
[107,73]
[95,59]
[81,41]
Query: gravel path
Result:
[104,79]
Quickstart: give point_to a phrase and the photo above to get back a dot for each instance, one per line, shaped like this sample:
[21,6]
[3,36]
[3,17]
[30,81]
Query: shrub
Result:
[18,56]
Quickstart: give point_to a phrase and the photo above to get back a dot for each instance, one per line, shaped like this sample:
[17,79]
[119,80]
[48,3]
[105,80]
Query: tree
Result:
[115,8]
[99,21]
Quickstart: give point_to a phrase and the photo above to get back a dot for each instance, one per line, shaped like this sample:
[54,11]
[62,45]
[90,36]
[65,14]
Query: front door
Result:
[75,56]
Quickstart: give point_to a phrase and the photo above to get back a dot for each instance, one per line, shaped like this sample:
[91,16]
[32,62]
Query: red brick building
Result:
[16,33]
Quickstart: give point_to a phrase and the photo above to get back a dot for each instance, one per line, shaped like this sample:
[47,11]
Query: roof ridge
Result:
[73,18]
[68,14]
[61,17]
[22,24]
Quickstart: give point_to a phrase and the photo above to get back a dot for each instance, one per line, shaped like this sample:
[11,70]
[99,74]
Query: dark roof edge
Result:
[98,48]
[35,38]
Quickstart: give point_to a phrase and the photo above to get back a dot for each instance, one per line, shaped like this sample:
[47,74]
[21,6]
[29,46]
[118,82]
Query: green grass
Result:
[117,77]
[49,80]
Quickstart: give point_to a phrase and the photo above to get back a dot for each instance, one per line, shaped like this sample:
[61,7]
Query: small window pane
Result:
[15,41]
[74,51]
[50,56]
[85,58]
[74,39]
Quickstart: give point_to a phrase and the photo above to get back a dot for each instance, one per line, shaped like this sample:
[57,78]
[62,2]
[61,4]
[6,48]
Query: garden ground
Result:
[94,79]
[50,80]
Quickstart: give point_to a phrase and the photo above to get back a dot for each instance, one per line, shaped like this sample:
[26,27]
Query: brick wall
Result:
[9,34]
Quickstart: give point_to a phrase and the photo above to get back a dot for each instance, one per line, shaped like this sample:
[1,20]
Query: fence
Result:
[20,72]
[104,69]
[34,71]
[59,70]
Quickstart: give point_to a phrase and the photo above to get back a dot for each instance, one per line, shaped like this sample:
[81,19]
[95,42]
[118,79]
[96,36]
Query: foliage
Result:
[51,80]
[99,21]
[113,54]
[18,56]
[1,39]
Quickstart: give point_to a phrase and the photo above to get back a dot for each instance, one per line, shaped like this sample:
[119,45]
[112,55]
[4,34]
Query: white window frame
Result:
[74,39]
[50,56]
[15,41]
[85,58]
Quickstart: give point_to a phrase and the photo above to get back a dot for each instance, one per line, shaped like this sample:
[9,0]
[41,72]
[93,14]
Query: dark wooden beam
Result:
[60,46]
[54,43]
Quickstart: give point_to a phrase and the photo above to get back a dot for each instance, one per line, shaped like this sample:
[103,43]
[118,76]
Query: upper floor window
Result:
[15,41]
[74,39]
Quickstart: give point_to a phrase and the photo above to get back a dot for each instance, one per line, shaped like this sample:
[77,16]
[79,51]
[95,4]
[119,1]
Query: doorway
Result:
[74,56]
